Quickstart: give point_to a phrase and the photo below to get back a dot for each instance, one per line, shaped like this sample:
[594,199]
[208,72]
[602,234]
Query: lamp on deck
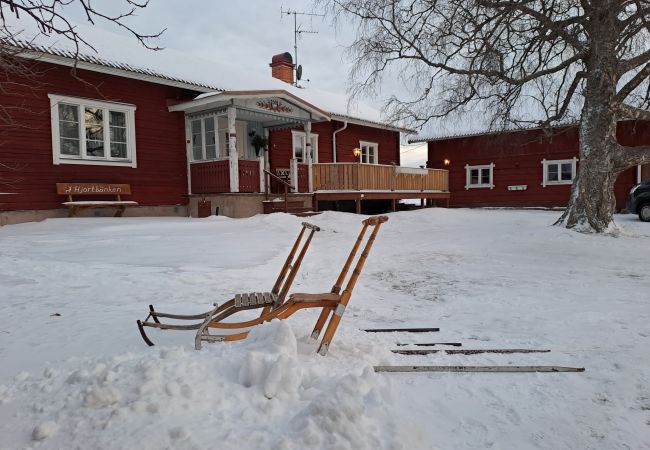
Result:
[357,153]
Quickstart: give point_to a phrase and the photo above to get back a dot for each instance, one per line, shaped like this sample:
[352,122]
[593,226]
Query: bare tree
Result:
[542,62]
[22,25]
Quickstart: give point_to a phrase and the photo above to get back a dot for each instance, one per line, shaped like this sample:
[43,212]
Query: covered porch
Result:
[227,141]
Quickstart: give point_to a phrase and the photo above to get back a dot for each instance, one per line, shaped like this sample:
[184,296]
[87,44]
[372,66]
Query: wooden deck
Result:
[354,181]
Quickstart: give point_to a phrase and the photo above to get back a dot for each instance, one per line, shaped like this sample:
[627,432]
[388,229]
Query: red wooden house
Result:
[523,168]
[158,123]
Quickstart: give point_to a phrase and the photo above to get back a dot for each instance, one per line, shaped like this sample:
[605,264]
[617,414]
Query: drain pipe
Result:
[345,125]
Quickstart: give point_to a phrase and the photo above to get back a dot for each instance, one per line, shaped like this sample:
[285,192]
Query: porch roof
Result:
[217,100]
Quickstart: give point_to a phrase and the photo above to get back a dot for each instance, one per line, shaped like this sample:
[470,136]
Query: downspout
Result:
[345,125]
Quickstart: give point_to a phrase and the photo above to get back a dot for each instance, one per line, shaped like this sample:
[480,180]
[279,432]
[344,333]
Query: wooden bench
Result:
[97,190]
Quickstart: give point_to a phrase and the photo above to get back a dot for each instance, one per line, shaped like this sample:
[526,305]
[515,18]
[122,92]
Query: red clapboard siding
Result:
[517,158]
[346,142]
[26,145]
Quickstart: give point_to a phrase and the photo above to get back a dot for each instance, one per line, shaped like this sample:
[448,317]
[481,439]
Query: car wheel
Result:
[644,212]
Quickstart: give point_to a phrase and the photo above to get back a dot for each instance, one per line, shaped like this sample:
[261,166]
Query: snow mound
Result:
[44,430]
[265,392]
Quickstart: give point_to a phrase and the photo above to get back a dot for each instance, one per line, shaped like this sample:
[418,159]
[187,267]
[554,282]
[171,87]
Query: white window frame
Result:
[83,158]
[468,176]
[217,145]
[314,145]
[375,156]
[558,162]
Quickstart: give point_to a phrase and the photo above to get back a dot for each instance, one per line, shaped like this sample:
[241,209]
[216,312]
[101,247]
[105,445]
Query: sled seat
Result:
[255,299]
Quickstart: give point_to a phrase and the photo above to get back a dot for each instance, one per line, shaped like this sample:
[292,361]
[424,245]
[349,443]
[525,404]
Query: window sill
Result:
[557,183]
[480,186]
[96,162]
[205,161]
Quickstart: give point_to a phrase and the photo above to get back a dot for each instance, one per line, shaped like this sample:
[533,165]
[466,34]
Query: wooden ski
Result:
[429,344]
[490,369]
[401,330]
[468,351]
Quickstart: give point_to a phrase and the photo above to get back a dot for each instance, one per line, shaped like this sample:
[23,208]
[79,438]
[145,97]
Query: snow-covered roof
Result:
[486,131]
[124,56]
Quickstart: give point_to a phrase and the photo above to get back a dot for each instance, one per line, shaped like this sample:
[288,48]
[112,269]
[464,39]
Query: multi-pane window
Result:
[369,152]
[558,171]
[479,176]
[92,132]
[209,138]
[205,145]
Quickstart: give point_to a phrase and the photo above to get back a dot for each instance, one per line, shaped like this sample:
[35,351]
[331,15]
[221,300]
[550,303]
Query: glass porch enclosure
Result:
[210,155]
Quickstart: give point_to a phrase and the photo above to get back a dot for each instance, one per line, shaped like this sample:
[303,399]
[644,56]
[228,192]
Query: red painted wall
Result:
[346,142]
[159,179]
[517,158]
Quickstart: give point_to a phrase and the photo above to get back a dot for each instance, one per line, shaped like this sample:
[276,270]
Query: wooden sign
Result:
[92,189]
[518,187]
[274,105]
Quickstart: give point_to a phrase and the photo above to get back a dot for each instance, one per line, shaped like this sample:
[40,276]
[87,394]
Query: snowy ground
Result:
[488,279]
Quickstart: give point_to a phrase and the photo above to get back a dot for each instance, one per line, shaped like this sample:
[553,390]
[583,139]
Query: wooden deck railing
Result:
[212,177]
[354,176]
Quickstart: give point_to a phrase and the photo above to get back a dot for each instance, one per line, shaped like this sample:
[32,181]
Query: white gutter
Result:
[345,125]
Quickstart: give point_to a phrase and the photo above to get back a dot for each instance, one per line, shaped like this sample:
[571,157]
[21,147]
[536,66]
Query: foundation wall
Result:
[15,217]
[239,205]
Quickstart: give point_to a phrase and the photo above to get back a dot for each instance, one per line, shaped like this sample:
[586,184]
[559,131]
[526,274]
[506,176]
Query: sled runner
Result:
[331,304]
[241,302]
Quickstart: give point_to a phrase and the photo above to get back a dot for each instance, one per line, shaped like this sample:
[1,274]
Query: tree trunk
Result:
[592,202]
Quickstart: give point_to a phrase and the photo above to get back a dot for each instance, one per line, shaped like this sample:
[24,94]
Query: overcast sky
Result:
[249,33]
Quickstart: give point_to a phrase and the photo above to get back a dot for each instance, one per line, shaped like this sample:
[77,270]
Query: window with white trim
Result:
[298,144]
[205,145]
[558,171]
[369,152]
[479,176]
[86,131]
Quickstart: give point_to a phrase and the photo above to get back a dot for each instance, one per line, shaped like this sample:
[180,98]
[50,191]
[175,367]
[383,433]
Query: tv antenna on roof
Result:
[298,31]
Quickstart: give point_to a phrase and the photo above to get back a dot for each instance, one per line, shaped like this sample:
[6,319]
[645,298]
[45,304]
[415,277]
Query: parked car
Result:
[639,200]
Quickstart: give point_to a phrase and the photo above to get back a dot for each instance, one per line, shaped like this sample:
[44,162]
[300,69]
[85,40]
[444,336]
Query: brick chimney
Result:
[282,67]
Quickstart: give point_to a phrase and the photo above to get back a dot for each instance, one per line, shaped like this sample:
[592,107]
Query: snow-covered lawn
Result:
[488,279]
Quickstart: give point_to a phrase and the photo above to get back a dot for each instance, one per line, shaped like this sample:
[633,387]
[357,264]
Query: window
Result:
[88,131]
[369,152]
[479,176]
[298,145]
[561,171]
[205,145]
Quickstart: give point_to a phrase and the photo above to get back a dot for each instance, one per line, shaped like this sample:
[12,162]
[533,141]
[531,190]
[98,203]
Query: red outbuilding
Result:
[523,168]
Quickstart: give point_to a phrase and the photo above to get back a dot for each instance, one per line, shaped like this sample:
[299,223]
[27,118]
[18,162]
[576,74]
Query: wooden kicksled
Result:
[332,304]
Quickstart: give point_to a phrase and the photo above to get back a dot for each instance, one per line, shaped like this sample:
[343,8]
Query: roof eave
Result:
[487,133]
[105,69]
[370,123]
[317,113]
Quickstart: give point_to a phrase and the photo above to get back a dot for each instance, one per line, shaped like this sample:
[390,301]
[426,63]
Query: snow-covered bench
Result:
[97,190]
